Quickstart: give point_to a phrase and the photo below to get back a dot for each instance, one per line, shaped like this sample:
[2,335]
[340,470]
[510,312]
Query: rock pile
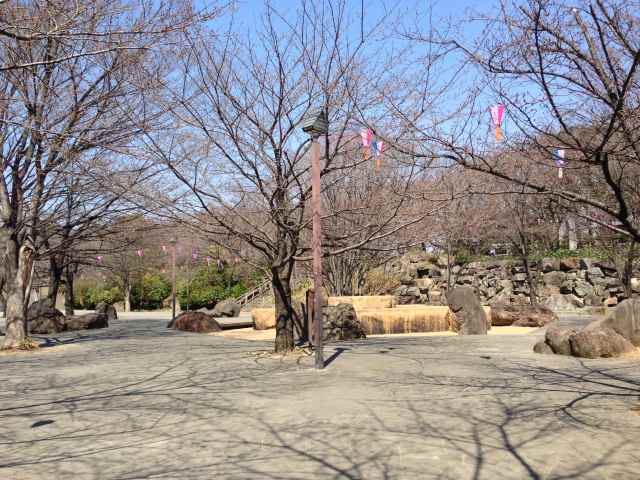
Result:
[340,322]
[569,283]
[44,319]
[616,334]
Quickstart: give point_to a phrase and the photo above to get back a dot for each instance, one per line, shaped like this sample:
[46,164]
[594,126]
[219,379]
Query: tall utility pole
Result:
[315,126]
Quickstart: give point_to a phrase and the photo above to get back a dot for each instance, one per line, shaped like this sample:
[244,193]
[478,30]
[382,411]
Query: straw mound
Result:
[362,302]
[263,318]
[419,318]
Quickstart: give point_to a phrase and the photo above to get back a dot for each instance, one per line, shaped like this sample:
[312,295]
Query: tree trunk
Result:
[55,279]
[127,297]
[18,271]
[285,315]
[69,297]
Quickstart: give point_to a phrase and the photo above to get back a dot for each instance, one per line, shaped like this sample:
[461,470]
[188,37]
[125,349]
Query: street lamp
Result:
[316,124]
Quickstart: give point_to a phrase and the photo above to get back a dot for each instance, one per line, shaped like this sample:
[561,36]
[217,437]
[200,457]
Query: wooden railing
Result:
[251,295]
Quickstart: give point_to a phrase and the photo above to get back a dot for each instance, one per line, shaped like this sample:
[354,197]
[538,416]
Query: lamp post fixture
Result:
[316,124]
[173,242]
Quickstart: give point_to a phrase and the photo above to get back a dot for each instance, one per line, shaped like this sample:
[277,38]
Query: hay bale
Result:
[263,318]
[409,319]
[364,301]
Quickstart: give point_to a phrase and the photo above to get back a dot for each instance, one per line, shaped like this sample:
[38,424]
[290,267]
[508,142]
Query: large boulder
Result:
[108,310]
[226,308]
[44,319]
[625,320]
[558,339]
[561,302]
[340,322]
[197,322]
[89,321]
[521,315]
[467,316]
[599,342]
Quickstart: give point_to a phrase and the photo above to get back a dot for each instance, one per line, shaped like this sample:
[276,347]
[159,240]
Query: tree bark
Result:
[127,297]
[18,271]
[55,279]
[69,297]
[285,314]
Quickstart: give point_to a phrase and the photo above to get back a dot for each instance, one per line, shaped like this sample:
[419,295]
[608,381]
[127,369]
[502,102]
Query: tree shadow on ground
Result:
[224,414]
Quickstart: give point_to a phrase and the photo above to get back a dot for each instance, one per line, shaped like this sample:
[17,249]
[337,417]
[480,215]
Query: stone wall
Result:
[575,281]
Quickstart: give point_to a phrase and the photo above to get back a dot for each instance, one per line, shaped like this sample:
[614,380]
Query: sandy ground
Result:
[140,401]
[263,335]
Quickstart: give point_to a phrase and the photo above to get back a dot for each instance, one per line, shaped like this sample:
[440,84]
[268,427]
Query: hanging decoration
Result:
[208,259]
[378,151]
[164,249]
[140,252]
[194,256]
[220,265]
[99,259]
[559,159]
[497,112]
[367,137]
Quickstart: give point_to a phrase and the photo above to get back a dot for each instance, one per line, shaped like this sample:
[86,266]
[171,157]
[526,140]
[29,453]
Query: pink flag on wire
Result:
[164,248]
[194,256]
[367,136]
[99,259]
[497,112]
[140,252]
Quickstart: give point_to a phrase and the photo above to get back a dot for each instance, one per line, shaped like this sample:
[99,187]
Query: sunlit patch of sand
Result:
[265,335]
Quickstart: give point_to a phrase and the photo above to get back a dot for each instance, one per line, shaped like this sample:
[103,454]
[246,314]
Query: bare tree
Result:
[568,76]
[240,158]
[66,97]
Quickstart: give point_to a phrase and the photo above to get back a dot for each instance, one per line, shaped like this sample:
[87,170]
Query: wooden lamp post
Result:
[315,125]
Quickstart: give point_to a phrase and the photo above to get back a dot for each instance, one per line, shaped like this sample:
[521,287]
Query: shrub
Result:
[207,287]
[87,296]
[149,294]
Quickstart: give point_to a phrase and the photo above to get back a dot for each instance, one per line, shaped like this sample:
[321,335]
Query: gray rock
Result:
[554,278]
[599,342]
[226,308]
[582,288]
[89,321]
[542,347]
[558,339]
[341,323]
[563,303]
[44,319]
[594,273]
[108,310]
[519,277]
[467,315]
[625,320]
[567,287]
